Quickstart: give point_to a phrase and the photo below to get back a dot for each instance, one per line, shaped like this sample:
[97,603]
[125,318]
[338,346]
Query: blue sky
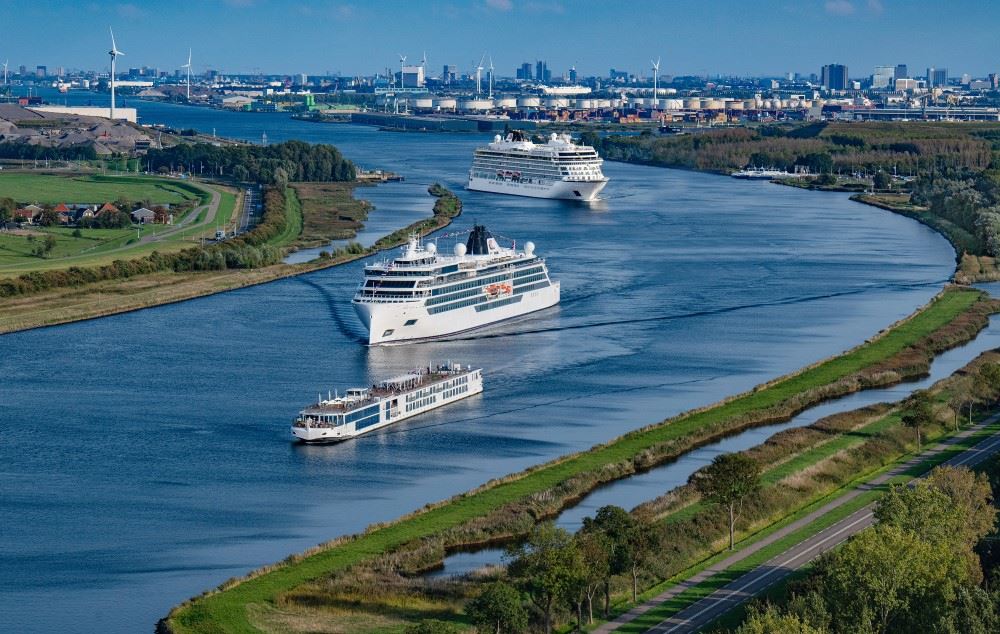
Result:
[356,37]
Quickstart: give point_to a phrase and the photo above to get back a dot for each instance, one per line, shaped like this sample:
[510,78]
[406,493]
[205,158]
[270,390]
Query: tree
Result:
[7,208]
[546,567]
[918,413]
[595,553]
[771,620]
[887,576]
[615,525]
[498,609]
[50,243]
[728,481]
[48,217]
[881,180]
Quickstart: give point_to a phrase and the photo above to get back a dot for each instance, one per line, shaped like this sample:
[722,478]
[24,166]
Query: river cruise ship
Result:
[423,294]
[555,169]
[364,409]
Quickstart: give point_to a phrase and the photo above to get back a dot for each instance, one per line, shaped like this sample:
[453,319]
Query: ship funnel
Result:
[478,243]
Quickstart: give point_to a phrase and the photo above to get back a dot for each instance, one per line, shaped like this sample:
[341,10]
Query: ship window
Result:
[410,322]
[577,193]
[388,332]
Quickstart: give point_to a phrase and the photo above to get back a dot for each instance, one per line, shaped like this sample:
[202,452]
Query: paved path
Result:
[711,607]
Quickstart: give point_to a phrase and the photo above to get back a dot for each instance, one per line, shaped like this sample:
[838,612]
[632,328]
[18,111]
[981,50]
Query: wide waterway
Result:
[146,456]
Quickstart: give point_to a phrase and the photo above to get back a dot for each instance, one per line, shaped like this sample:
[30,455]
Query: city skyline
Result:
[351,39]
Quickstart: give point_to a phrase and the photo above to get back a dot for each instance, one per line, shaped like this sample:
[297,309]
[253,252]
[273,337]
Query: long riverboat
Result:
[365,409]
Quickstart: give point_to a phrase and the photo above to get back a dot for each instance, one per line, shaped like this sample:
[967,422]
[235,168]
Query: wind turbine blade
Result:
[189,58]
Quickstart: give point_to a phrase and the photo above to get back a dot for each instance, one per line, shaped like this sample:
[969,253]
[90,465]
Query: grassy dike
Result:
[101,299]
[901,352]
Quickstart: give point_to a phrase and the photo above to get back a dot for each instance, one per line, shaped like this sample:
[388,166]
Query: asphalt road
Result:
[705,611]
[251,211]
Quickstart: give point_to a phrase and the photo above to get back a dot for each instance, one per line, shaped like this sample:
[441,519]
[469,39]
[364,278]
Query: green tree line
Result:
[274,164]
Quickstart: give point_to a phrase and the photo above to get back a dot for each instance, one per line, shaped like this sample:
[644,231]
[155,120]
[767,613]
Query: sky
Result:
[756,37]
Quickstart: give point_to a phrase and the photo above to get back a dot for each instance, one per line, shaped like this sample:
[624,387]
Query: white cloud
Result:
[839,7]
[875,6]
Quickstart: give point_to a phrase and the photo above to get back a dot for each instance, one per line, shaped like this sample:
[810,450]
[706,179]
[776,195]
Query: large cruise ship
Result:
[555,169]
[362,410]
[423,294]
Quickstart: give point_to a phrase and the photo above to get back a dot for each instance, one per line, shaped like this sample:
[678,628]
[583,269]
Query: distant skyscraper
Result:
[835,77]
[413,76]
[937,77]
[542,71]
[303,79]
[524,72]
[901,72]
[449,73]
[572,75]
[994,80]
[41,71]
[883,77]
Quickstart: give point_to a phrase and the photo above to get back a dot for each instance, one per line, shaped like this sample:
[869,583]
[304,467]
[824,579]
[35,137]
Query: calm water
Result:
[146,457]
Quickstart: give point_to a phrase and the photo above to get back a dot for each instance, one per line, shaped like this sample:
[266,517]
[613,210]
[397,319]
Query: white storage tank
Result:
[507,102]
[715,104]
[423,103]
[529,102]
[475,105]
[749,104]
[602,103]
[734,105]
[445,103]
[692,104]
[557,102]
[584,104]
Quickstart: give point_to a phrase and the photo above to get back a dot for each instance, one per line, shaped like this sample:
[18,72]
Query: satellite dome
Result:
[432,248]
[529,248]
[460,249]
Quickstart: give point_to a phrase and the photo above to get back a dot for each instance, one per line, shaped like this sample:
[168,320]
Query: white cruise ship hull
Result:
[387,322]
[585,191]
[399,407]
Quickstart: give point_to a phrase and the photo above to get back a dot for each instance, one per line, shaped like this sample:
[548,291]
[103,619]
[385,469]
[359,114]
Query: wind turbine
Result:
[491,76]
[5,71]
[114,53]
[188,67]
[402,60]
[656,73]
[479,75]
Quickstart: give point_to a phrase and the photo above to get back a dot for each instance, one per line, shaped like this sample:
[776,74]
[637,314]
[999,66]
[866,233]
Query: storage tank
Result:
[529,102]
[749,104]
[714,104]
[557,102]
[602,103]
[734,105]
[445,103]
[507,102]
[475,105]
[674,104]
[423,103]
[692,104]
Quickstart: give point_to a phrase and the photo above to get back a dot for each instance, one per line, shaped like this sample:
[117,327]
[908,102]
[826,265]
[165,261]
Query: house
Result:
[106,208]
[65,213]
[27,214]
[143,215]
[82,212]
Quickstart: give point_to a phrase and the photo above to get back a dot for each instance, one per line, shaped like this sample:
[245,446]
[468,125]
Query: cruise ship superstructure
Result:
[556,169]
[423,294]
[362,410]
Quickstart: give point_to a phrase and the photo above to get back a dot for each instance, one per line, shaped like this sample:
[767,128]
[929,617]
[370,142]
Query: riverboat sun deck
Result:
[423,294]
[556,169]
[365,409]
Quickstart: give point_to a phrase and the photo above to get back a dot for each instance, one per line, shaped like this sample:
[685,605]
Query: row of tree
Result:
[930,564]
[276,164]
[27,151]
[553,573]
[966,198]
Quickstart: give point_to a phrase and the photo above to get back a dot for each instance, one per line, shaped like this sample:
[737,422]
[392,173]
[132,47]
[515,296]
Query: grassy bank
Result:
[519,500]
[329,212]
[54,188]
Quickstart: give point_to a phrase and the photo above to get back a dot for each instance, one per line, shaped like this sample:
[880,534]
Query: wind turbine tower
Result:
[491,76]
[402,61]
[114,53]
[656,73]
[5,62]
[479,76]
[188,67]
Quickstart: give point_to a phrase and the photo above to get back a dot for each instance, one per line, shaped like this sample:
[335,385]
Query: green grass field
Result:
[101,246]
[26,187]
[227,611]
